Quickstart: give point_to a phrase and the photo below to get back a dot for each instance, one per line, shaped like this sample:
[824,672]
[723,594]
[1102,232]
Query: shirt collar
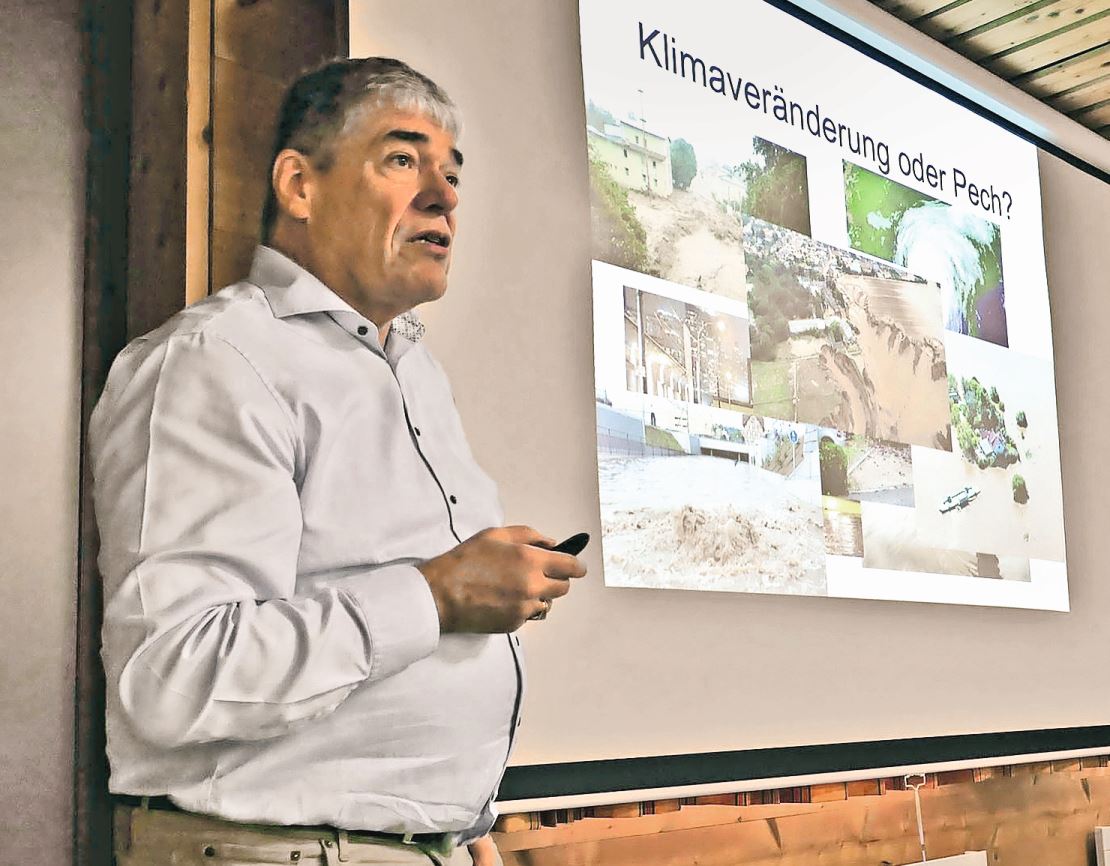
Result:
[293,291]
[290,289]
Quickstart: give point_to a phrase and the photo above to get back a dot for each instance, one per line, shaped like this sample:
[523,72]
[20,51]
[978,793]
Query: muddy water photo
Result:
[844,342]
[700,522]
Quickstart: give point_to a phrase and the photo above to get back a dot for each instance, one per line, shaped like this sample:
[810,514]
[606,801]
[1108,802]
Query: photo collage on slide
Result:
[771,406]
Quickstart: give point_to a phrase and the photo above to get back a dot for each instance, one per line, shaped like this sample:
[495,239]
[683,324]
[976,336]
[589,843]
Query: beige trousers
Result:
[155,837]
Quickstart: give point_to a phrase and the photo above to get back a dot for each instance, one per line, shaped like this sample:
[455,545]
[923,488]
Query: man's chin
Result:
[428,291]
[417,286]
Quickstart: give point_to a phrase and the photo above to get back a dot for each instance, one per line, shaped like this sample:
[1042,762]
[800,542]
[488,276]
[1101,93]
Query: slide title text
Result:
[662,50]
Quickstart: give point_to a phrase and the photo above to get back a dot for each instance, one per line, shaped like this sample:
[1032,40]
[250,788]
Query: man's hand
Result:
[495,580]
[484,853]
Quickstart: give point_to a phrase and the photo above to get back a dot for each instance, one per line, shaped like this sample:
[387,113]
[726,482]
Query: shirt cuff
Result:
[401,617]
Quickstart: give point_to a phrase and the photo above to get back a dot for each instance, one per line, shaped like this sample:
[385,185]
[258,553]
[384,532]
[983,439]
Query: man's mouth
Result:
[434,238]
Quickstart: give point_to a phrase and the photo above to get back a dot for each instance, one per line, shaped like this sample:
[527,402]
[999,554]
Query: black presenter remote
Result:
[573,545]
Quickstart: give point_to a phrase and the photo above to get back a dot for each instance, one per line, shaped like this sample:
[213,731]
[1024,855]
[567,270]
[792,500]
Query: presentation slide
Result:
[822,347]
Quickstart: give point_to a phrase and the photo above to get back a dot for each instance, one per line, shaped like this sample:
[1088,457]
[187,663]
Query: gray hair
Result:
[325,103]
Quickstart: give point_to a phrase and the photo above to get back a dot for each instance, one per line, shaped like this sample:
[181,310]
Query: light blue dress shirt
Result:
[266,476]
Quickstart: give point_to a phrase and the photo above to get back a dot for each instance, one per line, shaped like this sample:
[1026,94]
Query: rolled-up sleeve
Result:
[195,462]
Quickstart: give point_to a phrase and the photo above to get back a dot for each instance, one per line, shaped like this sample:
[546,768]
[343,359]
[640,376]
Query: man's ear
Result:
[292,180]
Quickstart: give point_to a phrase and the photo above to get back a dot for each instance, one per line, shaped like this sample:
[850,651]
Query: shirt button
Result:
[454,501]
[363,330]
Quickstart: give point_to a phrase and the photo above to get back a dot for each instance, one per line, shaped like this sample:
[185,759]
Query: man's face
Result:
[382,217]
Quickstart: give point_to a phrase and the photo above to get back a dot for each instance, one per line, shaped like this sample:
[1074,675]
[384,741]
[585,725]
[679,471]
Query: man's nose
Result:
[437,193]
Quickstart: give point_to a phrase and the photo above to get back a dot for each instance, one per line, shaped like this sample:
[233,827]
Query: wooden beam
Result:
[245,106]
[1007,817]
[259,48]
[107,47]
[1083,96]
[908,10]
[342,28]
[150,243]
[1025,26]
[953,21]
[158,204]
[1095,116]
[1066,74]
[170,188]
[198,145]
[829,793]
[281,38]
[1075,39]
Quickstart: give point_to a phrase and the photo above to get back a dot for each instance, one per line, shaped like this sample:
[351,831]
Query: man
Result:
[309,599]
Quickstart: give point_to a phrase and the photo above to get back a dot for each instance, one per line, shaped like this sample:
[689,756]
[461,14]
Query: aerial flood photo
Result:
[1005,469]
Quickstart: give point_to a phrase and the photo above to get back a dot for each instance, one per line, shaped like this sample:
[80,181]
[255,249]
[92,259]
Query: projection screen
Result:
[796,365]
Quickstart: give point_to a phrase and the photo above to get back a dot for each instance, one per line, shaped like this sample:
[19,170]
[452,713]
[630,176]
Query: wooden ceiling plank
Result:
[1094,117]
[1030,10]
[947,7]
[1083,96]
[908,10]
[946,24]
[1042,52]
[1022,28]
[1071,72]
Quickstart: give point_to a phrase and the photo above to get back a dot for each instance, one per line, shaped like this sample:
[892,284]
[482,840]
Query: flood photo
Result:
[999,491]
[866,470]
[843,526]
[670,202]
[893,540]
[844,342]
[737,512]
[696,491]
[658,207]
[960,250]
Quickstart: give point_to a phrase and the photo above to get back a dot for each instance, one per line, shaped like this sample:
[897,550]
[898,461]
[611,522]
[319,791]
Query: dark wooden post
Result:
[180,103]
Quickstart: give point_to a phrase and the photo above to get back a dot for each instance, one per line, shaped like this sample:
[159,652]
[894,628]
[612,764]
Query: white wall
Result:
[42,149]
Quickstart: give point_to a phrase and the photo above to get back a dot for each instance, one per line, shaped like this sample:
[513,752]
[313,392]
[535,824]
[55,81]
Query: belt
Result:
[439,843]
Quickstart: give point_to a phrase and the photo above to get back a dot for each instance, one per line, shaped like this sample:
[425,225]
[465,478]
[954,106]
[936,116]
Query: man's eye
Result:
[453,179]
[403,160]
